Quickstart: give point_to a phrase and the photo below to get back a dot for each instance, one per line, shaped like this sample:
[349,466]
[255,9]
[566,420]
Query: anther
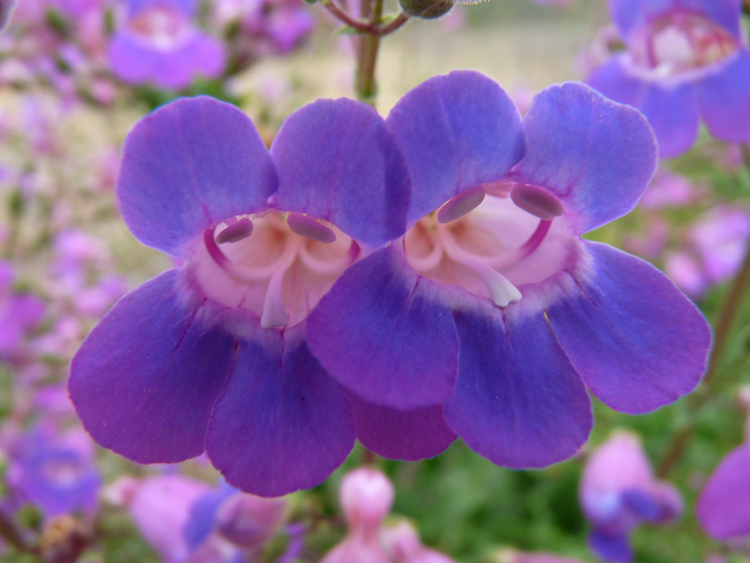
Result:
[461,204]
[308,227]
[236,232]
[537,201]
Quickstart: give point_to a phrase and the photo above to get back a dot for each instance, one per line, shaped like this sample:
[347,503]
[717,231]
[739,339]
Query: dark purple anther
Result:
[537,201]
[460,205]
[308,227]
[236,232]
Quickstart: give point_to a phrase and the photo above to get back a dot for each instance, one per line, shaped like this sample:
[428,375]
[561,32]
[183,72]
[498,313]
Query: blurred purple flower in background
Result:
[158,43]
[501,273]
[723,507]
[715,246]
[618,492]
[266,26]
[55,470]
[212,355]
[21,313]
[187,521]
[686,60]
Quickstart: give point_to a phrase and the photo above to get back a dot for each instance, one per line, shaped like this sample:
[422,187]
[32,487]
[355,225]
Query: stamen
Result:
[502,291]
[308,227]
[461,204]
[236,232]
[537,201]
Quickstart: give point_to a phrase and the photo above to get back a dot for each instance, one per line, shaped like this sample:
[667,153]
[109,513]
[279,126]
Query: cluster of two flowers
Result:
[329,285]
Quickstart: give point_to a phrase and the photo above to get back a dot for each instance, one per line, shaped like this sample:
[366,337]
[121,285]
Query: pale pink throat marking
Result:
[296,239]
[449,242]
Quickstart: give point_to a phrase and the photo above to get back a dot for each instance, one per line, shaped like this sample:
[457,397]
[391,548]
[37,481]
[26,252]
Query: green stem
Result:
[723,328]
[365,85]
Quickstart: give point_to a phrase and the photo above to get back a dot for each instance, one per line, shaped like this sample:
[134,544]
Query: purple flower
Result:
[618,491]
[189,522]
[715,247]
[723,507]
[20,315]
[686,60]
[160,508]
[494,266]
[159,44]
[57,473]
[232,522]
[212,355]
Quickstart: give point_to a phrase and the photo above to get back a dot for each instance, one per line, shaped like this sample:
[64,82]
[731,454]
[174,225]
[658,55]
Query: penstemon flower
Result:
[212,355]
[618,491]
[490,318]
[685,61]
[158,43]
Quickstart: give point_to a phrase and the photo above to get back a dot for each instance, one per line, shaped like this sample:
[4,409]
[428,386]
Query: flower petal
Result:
[202,55]
[146,378]
[596,156]
[457,132]
[203,515]
[281,423]
[636,340]
[629,14]
[611,548]
[188,165]
[723,507]
[403,435]
[338,161]
[671,109]
[518,400]
[724,99]
[385,334]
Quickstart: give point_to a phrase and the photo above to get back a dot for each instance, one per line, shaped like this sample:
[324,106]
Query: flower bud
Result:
[366,497]
[426,9]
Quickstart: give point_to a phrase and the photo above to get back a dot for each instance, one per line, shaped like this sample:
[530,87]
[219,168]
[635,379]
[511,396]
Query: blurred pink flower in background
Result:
[366,497]
[618,492]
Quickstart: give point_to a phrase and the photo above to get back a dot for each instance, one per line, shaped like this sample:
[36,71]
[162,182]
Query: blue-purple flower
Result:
[686,61]
[158,43]
[212,355]
[56,473]
[189,522]
[723,508]
[618,492]
[492,316]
